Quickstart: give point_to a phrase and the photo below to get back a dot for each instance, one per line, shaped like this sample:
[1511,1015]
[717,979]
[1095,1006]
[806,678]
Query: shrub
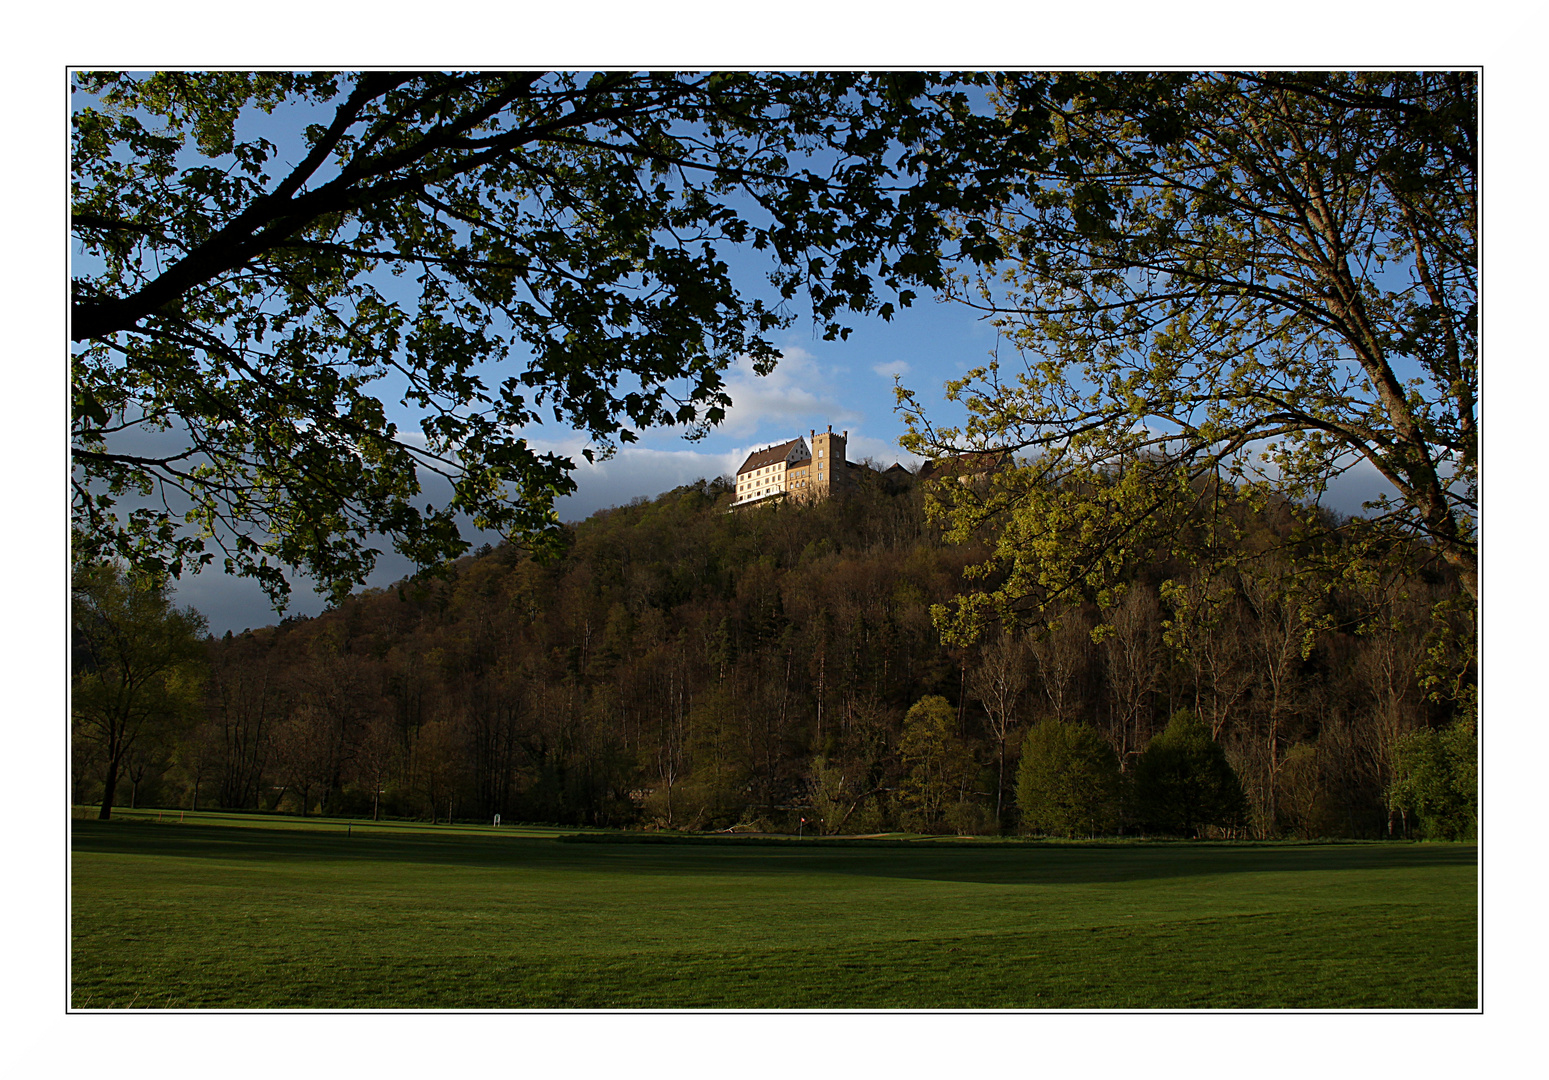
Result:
[1304,800]
[969,818]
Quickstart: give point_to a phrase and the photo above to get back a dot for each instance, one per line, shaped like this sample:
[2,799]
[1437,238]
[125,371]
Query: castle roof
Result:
[962,465]
[771,456]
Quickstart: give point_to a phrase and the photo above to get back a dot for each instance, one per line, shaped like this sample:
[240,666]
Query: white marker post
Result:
[497,821]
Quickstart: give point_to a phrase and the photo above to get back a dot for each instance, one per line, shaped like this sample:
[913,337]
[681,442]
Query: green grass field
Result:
[241,912]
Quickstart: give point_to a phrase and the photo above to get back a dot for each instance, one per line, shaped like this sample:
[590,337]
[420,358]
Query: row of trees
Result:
[685,667]
[1070,782]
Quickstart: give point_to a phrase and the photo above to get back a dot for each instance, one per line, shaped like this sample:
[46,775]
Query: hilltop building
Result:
[798,470]
[809,472]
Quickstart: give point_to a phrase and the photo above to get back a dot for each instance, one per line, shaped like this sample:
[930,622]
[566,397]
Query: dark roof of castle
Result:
[978,461]
[771,456]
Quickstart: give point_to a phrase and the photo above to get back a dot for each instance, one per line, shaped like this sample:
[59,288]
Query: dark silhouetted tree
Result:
[264,259]
[1182,782]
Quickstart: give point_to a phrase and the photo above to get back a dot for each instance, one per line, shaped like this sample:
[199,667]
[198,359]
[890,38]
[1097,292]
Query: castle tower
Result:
[827,467]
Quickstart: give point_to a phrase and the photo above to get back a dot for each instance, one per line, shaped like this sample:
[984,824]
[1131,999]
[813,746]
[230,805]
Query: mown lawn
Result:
[256,913]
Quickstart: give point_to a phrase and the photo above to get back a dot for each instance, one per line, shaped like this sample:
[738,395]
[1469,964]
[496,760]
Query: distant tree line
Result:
[680,666]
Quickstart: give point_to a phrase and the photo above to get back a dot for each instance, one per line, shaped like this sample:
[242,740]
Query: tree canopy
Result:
[936,762]
[1068,781]
[265,261]
[1222,286]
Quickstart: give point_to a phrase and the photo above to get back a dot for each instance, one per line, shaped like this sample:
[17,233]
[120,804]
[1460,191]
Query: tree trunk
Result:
[109,786]
[962,700]
[1000,786]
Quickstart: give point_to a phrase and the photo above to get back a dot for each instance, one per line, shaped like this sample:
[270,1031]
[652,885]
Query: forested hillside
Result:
[683,666]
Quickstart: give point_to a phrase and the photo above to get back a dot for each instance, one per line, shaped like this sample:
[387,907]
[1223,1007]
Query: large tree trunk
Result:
[109,786]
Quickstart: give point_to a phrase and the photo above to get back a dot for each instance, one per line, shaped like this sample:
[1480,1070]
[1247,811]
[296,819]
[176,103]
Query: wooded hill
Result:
[683,666]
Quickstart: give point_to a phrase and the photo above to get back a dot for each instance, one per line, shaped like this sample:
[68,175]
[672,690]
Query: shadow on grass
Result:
[982,863]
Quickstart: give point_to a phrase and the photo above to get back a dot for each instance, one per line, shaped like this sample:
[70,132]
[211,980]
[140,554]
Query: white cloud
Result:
[638,472]
[889,368]
[882,452]
[792,397]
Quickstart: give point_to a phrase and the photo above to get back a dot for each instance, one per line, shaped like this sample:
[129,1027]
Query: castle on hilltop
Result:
[798,471]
